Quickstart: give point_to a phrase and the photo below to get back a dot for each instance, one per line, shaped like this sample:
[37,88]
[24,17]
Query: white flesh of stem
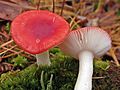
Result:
[43,58]
[84,80]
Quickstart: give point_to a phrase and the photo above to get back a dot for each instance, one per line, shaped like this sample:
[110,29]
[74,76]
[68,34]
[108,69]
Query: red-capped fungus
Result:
[85,44]
[36,31]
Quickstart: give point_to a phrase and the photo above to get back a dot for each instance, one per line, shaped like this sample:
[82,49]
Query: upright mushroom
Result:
[36,31]
[85,44]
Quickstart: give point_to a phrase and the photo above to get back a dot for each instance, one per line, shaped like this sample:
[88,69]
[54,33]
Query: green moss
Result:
[7,27]
[19,80]
[101,65]
[61,75]
[19,61]
[118,13]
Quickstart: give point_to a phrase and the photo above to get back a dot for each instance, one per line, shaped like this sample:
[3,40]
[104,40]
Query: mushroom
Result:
[36,31]
[85,44]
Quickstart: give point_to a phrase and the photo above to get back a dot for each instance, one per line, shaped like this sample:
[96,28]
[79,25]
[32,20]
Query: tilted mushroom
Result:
[36,31]
[85,44]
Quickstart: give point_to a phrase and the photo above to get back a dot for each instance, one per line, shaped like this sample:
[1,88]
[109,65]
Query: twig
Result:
[53,6]
[38,6]
[6,43]
[116,43]
[27,55]
[62,7]
[12,54]
[117,47]
[6,36]
[114,57]
[98,77]
[76,23]
[8,50]
[73,19]
[17,6]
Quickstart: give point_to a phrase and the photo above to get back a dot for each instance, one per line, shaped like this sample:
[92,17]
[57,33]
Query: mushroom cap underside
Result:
[91,39]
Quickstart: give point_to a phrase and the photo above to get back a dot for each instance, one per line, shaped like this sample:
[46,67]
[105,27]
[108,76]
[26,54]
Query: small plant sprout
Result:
[85,44]
[36,31]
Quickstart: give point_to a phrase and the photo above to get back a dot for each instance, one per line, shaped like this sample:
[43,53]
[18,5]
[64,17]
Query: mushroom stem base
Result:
[43,58]
[84,80]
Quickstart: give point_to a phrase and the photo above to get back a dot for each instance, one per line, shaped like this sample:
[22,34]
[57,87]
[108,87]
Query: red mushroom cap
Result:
[36,31]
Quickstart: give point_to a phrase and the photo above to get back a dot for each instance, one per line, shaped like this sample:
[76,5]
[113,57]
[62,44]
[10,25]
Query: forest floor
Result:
[79,13]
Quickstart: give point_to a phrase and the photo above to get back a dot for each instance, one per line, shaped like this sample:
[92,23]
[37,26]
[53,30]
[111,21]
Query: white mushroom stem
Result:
[84,80]
[43,58]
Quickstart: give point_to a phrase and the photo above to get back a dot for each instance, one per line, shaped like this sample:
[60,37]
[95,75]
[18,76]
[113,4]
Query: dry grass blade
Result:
[38,6]
[73,19]
[53,6]
[18,6]
[98,77]
[62,7]
[6,43]
[114,56]
[100,6]
[75,24]
[8,50]
[12,51]
[12,54]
